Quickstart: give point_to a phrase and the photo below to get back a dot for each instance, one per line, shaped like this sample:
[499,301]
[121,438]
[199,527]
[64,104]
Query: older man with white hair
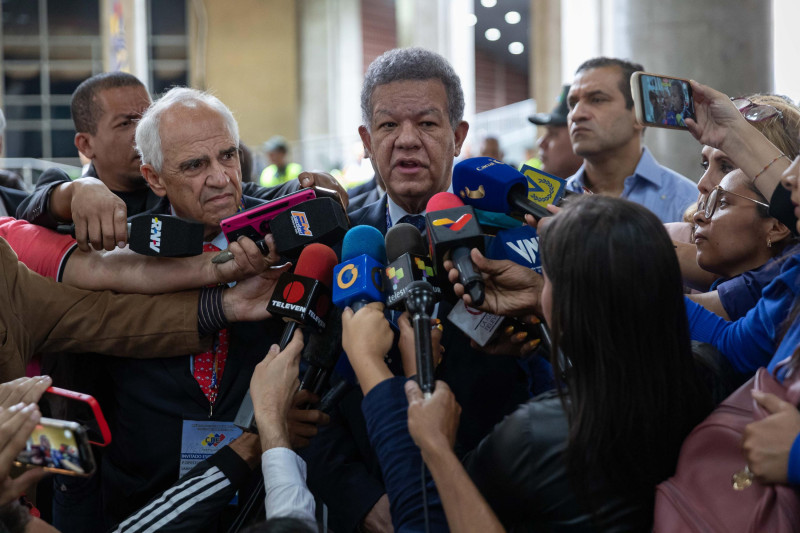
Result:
[188,144]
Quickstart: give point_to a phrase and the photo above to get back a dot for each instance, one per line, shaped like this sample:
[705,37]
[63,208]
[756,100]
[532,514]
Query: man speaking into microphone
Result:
[412,108]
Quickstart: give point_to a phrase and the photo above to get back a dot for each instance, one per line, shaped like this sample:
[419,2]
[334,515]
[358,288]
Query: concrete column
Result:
[441,26]
[247,56]
[330,69]
[544,73]
[726,44]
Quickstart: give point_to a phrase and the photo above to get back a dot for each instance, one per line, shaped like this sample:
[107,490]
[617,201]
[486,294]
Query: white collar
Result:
[396,212]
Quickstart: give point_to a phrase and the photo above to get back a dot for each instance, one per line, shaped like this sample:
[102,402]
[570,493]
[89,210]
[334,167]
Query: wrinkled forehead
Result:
[191,132]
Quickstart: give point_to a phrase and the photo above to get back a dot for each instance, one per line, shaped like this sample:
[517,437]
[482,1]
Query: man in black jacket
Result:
[105,110]
[165,411]
[413,128]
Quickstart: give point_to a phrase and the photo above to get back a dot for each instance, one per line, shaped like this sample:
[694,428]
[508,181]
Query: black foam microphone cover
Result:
[321,220]
[159,235]
[404,238]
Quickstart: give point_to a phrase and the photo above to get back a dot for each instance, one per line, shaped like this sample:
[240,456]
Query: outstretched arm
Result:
[433,424]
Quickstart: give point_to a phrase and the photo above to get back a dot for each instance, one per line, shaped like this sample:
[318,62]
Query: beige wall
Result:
[247,57]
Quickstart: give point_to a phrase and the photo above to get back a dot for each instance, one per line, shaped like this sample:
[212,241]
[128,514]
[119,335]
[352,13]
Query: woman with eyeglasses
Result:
[740,243]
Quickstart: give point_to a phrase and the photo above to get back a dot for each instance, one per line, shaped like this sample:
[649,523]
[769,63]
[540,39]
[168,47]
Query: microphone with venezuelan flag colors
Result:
[453,231]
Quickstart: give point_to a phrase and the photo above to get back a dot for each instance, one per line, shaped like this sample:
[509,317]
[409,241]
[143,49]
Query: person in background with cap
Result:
[280,170]
[555,146]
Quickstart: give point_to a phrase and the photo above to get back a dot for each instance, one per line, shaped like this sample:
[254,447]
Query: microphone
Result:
[159,235]
[303,298]
[420,303]
[408,262]
[321,353]
[321,220]
[520,245]
[359,277]
[453,230]
[488,184]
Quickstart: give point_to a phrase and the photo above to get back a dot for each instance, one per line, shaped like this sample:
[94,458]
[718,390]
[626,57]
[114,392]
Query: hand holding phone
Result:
[662,101]
[16,424]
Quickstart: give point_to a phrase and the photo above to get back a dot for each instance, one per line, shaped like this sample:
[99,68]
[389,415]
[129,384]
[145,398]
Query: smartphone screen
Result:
[666,102]
[58,446]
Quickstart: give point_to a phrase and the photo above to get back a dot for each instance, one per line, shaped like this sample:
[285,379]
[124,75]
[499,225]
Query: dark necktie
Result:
[418,221]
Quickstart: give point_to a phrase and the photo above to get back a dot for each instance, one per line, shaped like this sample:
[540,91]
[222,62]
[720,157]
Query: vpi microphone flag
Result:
[543,188]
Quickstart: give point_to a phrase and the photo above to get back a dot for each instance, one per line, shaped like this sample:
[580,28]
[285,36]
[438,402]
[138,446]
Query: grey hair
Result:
[415,63]
[2,122]
[148,137]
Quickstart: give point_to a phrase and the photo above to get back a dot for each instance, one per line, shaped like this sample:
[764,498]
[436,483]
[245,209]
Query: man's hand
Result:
[379,518]
[367,338]
[511,289]
[99,215]
[247,301]
[25,390]
[407,344]
[324,180]
[16,424]
[272,389]
[248,447]
[432,423]
[303,422]
[767,443]
[247,260]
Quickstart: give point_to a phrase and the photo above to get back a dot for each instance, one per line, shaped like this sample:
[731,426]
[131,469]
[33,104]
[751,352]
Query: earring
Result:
[769,242]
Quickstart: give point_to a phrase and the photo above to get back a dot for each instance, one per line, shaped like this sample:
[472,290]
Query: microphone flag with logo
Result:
[453,230]
[488,184]
[159,235]
[358,279]
[321,220]
[408,262]
[301,298]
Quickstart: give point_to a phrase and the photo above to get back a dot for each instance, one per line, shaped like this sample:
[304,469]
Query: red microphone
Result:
[453,230]
[302,298]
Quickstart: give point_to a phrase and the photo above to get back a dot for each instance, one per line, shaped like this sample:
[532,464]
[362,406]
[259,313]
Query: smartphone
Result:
[662,101]
[59,446]
[254,222]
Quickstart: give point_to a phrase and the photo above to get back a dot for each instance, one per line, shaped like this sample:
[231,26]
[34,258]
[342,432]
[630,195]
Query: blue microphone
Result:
[358,279]
[520,245]
[488,184]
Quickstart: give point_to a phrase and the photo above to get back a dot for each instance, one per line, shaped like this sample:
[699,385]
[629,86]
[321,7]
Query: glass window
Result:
[20,17]
[64,143]
[23,143]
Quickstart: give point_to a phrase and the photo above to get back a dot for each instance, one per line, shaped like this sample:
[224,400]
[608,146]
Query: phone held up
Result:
[59,446]
[662,101]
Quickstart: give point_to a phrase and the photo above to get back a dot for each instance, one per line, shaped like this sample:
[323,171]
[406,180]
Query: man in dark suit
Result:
[412,108]
[188,142]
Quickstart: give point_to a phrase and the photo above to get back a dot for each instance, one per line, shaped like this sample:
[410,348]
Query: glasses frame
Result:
[709,206]
[746,107]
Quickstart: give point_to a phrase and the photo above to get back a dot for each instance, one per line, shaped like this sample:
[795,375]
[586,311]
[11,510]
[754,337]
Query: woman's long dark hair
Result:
[631,391]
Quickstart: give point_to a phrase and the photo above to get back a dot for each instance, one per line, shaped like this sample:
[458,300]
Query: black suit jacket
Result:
[151,400]
[342,468]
